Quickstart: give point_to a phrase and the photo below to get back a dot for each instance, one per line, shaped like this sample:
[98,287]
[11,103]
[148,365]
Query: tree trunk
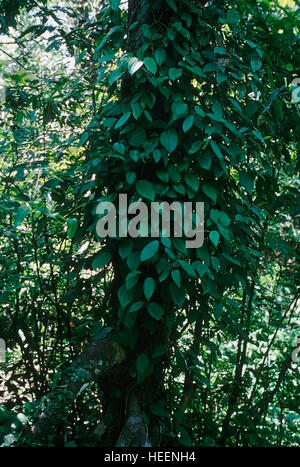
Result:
[102,354]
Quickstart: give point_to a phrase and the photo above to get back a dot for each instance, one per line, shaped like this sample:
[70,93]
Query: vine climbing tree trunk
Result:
[169,129]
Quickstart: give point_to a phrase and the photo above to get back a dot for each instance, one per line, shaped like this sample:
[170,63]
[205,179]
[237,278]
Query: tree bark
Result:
[102,354]
[134,431]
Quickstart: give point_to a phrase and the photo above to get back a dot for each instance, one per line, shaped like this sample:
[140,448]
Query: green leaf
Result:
[188,123]
[150,250]
[179,109]
[137,109]
[160,56]
[172,4]
[145,189]
[199,111]
[132,279]
[72,227]
[174,173]
[163,175]
[219,50]
[252,44]
[221,77]
[196,145]
[157,155]
[175,73]
[122,120]
[101,260]
[210,67]
[176,276]
[109,122]
[142,364]
[187,267]
[130,177]
[256,64]
[205,160]
[150,64]
[166,242]
[125,248]
[247,182]
[133,260]
[119,147]
[169,140]
[202,269]
[149,287]
[210,191]
[233,16]
[258,135]
[114,4]
[220,217]
[226,233]
[155,310]
[216,150]
[22,212]
[192,181]
[126,296]
[217,110]
[137,137]
[177,294]
[135,307]
[114,76]
[214,237]
[232,260]
[204,380]
[83,139]
[159,351]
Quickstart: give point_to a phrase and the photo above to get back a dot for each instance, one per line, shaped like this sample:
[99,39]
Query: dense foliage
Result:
[170,100]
